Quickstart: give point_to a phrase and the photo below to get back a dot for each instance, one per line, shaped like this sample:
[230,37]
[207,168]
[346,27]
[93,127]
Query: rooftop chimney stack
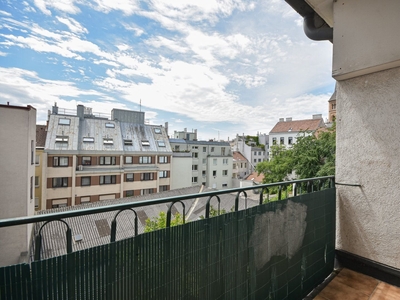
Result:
[281,119]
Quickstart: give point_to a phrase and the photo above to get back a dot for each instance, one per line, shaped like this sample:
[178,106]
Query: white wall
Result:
[368,145]
[181,172]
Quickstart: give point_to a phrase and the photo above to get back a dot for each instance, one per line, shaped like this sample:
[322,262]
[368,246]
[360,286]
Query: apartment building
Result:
[17,173]
[211,163]
[40,167]
[253,152]
[92,158]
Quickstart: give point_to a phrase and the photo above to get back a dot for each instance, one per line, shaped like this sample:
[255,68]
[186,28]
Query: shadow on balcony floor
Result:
[350,285]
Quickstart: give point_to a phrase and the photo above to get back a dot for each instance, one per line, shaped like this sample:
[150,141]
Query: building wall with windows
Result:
[17,178]
[91,159]
[211,163]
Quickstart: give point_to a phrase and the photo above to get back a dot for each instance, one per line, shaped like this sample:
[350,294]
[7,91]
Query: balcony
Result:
[277,250]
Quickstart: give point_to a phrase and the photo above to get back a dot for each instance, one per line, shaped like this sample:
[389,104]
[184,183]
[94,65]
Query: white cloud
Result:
[67,6]
[3,54]
[5,13]
[132,27]
[161,41]
[73,25]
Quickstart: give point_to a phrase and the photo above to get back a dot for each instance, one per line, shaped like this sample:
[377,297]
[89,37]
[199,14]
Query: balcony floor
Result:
[351,285]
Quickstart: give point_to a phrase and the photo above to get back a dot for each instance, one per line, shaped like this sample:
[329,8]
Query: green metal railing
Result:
[276,250]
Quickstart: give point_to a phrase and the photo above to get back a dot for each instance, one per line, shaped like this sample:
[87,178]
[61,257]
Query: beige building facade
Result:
[18,136]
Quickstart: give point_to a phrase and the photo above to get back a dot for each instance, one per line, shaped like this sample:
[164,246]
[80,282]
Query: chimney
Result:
[166,127]
[80,111]
[318,116]
[281,119]
[55,109]
[289,119]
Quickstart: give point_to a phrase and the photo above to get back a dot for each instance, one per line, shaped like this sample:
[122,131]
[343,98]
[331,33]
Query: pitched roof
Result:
[238,156]
[297,126]
[41,135]
[255,177]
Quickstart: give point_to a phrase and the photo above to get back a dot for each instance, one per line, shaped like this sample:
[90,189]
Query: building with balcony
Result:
[285,132]
[211,163]
[90,158]
[17,178]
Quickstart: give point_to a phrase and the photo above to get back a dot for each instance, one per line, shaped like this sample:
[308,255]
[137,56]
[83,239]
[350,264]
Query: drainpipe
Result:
[314,33]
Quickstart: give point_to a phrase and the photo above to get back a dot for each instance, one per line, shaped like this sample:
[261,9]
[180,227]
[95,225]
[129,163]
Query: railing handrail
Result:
[95,210]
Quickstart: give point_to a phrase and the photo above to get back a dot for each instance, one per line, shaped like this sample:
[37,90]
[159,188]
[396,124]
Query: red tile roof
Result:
[41,133]
[238,156]
[255,177]
[297,126]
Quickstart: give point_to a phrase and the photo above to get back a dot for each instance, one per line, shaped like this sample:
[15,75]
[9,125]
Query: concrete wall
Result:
[181,172]
[17,131]
[368,145]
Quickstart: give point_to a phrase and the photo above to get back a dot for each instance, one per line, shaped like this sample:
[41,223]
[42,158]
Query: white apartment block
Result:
[90,158]
[211,162]
[17,173]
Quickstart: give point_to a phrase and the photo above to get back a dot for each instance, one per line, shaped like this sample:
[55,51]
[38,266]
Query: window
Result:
[106,197]
[37,159]
[157,130]
[259,160]
[108,179]
[163,188]
[110,125]
[88,139]
[224,185]
[259,152]
[255,152]
[212,149]
[145,160]
[215,161]
[37,181]
[107,160]
[214,173]
[290,140]
[86,160]
[194,167]
[108,141]
[60,182]
[146,191]
[177,148]
[128,142]
[204,149]
[85,181]
[163,159]
[255,160]
[61,139]
[223,151]
[195,154]
[194,179]
[129,193]
[128,159]
[145,143]
[59,203]
[31,191]
[64,121]
[36,202]
[161,143]
[129,177]
[85,199]
[333,105]
[146,176]
[225,161]
[162,174]
[274,141]
[224,172]
[203,173]
[32,151]
[60,161]
[203,183]
[195,147]
[282,140]
[204,161]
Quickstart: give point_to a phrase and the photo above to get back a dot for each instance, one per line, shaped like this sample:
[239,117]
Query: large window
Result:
[86,160]
[108,179]
[224,172]
[60,182]
[128,160]
[129,177]
[195,154]
[145,160]
[60,161]
[194,167]
[163,159]
[107,160]
[85,181]
[64,121]
[204,149]
[146,176]
[225,161]
[162,174]
[194,179]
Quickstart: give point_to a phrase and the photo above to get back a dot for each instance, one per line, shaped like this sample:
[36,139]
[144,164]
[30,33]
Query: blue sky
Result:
[223,67]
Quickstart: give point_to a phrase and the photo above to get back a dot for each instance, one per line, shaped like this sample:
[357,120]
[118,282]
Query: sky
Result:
[222,67]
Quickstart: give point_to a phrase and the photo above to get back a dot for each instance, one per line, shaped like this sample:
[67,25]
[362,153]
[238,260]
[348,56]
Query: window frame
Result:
[63,182]
[59,159]
[163,174]
[145,160]
[128,179]
[86,177]
[147,176]
[85,161]
[103,162]
[112,179]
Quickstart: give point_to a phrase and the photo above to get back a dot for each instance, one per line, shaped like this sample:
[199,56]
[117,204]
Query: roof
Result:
[297,126]
[238,156]
[95,229]
[333,97]
[41,135]
[255,177]
[182,141]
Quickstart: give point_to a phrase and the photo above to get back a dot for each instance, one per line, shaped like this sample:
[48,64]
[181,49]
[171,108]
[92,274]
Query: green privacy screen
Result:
[280,250]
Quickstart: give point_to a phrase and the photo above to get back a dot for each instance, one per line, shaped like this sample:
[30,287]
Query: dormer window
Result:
[128,142]
[161,143]
[88,139]
[64,121]
[110,125]
[145,143]
[157,130]
[62,139]
[108,141]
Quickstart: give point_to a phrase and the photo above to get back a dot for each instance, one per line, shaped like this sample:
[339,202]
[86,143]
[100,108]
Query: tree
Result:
[161,222]
[312,156]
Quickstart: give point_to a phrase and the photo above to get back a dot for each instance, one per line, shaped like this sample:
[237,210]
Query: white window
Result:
[146,176]
[62,139]
[225,161]
[59,203]
[195,154]
[214,161]
[204,149]
[195,147]
[145,143]
[157,130]
[161,143]
[212,149]
[108,179]
[203,173]
[64,121]
[163,159]
[129,177]
[85,199]
[224,185]
[88,139]
[108,141]
[224,172]
[163,174]
[128,159]
[204,161]
[145,160]
[60,161]
[146,191]
[86,160]
[194,179]
[107,160]
[110,125]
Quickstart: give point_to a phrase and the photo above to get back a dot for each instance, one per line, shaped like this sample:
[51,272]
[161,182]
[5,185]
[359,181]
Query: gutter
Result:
[317,34]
